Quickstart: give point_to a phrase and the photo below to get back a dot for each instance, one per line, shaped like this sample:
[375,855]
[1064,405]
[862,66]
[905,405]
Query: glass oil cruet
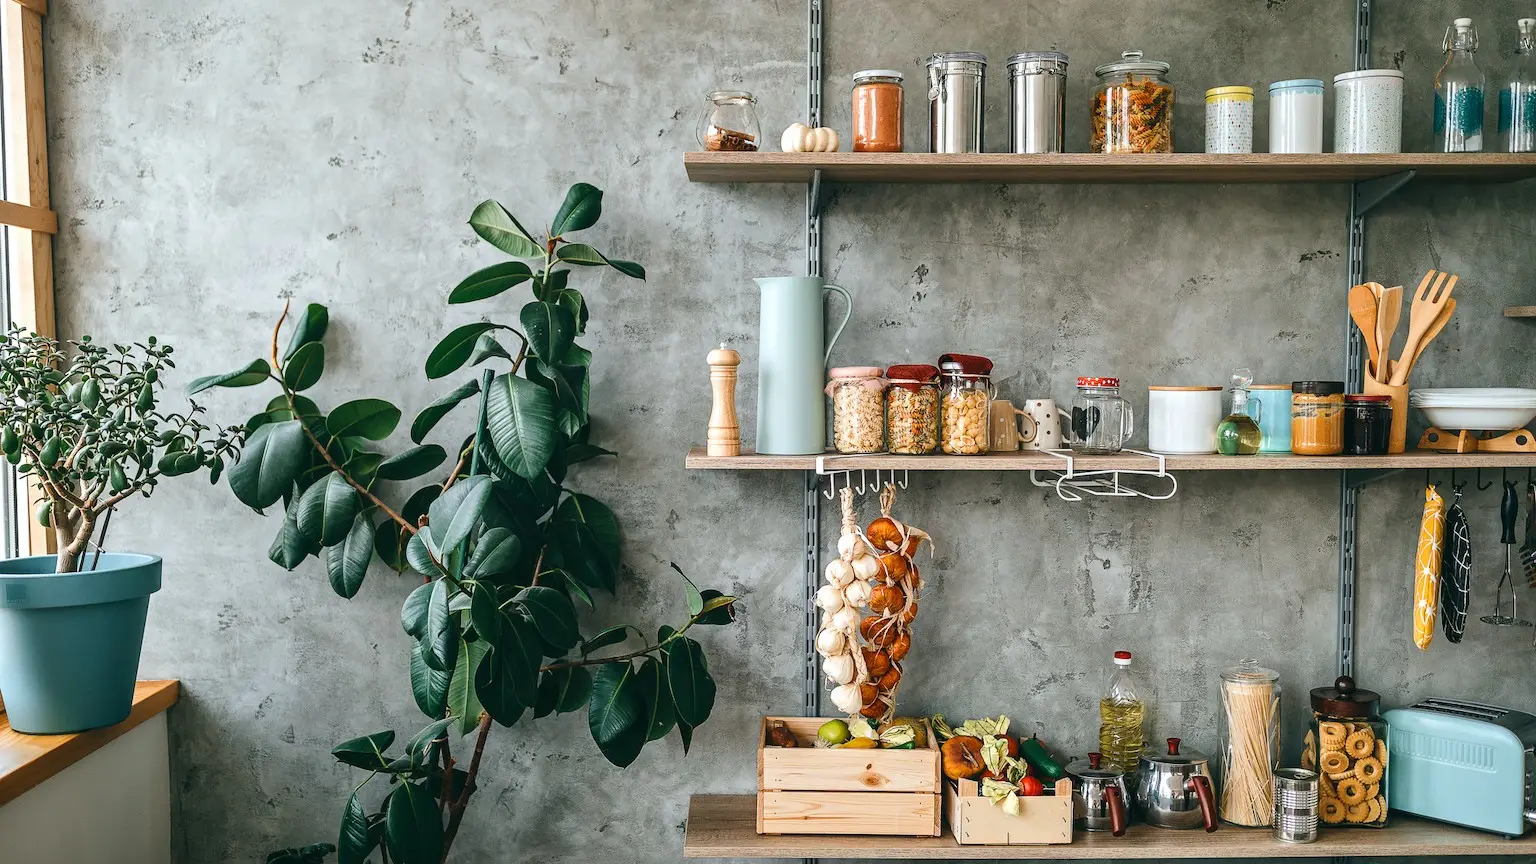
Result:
[1459,88]
[1239,435]
[1517,100]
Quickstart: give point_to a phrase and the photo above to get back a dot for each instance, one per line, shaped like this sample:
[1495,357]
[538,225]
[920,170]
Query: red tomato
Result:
[1031,786]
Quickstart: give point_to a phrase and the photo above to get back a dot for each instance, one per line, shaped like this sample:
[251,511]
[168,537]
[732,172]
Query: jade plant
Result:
[81,420]
[507,550]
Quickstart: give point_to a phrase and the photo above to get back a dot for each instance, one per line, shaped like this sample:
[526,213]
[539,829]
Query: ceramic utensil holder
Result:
[1399,440]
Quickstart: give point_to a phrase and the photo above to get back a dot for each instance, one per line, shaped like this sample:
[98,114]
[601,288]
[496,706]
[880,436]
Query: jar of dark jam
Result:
[1367,424]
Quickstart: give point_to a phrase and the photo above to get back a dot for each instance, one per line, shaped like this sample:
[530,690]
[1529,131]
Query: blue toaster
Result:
[1462,762]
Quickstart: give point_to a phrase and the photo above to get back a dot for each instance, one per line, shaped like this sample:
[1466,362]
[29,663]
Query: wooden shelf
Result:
[1520,311]
[1027,460]
[27,760]
[725,826]
[710,167]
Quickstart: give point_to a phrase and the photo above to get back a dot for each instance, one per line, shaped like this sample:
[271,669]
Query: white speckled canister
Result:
[1368,111]
[1229,120]
[1296,116]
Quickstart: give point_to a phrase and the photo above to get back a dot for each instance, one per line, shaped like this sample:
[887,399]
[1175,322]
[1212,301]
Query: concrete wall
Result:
[212,159]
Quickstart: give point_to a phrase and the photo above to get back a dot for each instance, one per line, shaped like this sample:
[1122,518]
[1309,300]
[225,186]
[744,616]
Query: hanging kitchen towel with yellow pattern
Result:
[1426,563]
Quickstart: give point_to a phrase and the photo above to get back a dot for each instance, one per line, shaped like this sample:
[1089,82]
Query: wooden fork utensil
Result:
[1428,303]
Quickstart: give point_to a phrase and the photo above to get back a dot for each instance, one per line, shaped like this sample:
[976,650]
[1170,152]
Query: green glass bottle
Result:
[1239,435]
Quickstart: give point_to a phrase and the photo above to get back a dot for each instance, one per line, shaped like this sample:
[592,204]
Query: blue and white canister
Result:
[1296,116]
[1229,120]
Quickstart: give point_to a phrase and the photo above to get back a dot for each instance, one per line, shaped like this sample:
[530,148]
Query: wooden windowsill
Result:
[28,760]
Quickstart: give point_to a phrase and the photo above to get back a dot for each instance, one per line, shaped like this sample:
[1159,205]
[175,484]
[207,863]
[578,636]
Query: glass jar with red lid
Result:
[858,411]
[912,409]
[1102,422]
[966,411]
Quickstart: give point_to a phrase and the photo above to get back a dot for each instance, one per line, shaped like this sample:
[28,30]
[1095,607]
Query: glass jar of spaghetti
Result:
[1317,418]
[1132,107]
[877,117]
[1346,744]
[912,409]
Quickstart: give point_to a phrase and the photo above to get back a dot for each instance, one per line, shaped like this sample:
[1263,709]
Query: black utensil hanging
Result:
[1455,572]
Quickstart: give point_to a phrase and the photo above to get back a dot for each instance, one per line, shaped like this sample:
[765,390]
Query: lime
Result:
[833,732]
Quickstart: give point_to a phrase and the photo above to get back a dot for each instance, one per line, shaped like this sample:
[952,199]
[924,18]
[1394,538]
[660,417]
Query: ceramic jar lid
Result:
[1343,700]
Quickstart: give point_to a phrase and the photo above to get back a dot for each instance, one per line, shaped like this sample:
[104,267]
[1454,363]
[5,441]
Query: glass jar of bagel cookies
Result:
[1347,746]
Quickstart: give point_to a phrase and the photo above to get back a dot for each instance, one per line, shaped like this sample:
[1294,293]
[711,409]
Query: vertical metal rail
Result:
[813,55]
[1354,374]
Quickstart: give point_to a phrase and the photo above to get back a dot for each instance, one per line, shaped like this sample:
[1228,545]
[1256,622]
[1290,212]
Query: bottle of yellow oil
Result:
[1121,712]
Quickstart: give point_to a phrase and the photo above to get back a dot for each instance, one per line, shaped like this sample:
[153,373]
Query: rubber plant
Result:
[80,419]
[507,550]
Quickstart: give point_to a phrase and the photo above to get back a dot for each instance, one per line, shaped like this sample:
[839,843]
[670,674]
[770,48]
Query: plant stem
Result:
[598,661]
[453,475]
[456,812]
[447,771]
[326,455]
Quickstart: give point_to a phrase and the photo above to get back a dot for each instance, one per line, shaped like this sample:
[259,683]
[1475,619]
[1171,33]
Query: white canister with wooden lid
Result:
[1182,420]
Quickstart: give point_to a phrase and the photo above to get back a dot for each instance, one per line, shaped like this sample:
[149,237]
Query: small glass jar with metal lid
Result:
[912,409]
[1132,107]
[1317,418]
[1037,107]
[957,83]
[877,111]
[1229,120]
[858,409]
[966,409]
[1346,744]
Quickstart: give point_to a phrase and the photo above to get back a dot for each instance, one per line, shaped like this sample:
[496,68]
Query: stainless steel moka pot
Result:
[1100,797]
[1173,789]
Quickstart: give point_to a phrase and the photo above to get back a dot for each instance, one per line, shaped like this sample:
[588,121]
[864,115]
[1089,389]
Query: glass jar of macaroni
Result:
[966,412]
[858,413]
[1317,418]
[912,409]
[1132,110]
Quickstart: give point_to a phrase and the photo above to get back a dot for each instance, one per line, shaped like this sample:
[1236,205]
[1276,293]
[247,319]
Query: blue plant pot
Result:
[70,642]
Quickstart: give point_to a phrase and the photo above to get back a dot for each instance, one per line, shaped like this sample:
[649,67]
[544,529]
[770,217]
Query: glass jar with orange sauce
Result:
[877,117]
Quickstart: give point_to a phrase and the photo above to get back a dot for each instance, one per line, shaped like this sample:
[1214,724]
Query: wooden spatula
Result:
[1429,336]
[1362,308]
[1428,302]
[1389,310]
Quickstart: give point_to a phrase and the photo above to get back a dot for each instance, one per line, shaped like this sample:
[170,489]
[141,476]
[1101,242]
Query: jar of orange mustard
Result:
[1317,418]
[877,117]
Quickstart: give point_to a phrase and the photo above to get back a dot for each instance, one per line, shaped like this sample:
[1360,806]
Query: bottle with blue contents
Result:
[1459,89]
[1517,99]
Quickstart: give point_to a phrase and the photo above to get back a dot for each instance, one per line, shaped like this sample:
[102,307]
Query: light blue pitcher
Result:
[792,364]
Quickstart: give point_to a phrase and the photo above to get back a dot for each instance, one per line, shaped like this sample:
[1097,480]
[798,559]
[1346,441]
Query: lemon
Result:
[833,732]
[860,744]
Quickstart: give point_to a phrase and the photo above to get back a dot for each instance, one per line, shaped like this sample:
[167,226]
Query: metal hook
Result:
[861,481]
[1481,486]
[905,479]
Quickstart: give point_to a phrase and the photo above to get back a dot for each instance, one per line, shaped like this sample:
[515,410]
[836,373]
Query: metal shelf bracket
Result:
[1071,484]
[1359,478]
[1369,193]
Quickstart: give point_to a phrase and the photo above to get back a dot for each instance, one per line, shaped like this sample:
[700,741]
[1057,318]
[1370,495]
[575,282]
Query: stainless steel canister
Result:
[1295,805]
[1037,83]
[956,88]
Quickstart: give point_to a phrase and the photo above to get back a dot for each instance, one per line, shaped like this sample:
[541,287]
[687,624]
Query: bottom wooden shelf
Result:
[724,826]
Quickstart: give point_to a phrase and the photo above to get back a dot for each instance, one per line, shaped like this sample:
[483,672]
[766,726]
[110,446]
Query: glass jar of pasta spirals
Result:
[1132,109]
[1346,745]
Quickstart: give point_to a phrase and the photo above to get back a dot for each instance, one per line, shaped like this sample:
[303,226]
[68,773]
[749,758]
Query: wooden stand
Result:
[1399,439]
[724,436]
[1468,441]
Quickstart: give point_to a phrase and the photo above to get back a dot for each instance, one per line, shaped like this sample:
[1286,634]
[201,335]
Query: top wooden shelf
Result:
[1031,460]
[711,167]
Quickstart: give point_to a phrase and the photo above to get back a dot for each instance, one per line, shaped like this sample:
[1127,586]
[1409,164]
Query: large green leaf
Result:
[373,419]
[308,327]
[573,302]
[354,845]
[290,547]
[441,638]
[587,534]
[611,636]
[483,612]
[569,381]
[718,608]
[426,746]
[553,615]
[615,714]
[388,545]
[303,369]
[498,227]
[347,562]
[491,281]
[463,702]
[457,511]
[486,347]
[550,329]
[454,349]
[520,415]
[509,681]
[428,686]
[327,510]
[439,409]
[414,830]
[565,690]
[419,557]
[585,256]
[656,697]
[273,458]
[693,690]
[582,207]
[366,752]
[496,553]
[254,373]
[413,614]
[412,463]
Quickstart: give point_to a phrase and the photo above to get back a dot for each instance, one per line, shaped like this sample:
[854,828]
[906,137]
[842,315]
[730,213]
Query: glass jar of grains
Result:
[966,413]
[912,409]
[858,412]
[1317,418]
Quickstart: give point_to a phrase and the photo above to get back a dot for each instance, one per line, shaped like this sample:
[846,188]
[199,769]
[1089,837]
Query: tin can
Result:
[1296,116]
[1229,120]
[1295,805]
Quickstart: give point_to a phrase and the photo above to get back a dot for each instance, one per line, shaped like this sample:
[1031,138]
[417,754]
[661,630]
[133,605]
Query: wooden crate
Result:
[975,820]
[810,790]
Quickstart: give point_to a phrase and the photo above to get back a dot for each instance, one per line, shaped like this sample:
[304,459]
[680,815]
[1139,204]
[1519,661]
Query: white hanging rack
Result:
[1072,485]
[847,474]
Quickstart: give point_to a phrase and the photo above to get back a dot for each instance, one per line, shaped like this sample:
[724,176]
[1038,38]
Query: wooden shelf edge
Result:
[28,760]
[725,826]
[1520,311]
[697,459]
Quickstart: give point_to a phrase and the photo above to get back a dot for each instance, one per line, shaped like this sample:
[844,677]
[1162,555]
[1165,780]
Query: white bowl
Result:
[1481,419]
[1474,396]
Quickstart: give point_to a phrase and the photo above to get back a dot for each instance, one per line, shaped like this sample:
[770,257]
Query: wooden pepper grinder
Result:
[724,438]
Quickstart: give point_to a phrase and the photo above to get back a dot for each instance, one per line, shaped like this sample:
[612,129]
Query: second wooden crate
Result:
[974,819]
[811,790]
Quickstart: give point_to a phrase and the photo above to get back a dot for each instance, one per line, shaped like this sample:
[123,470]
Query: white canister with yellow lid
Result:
[1229,120]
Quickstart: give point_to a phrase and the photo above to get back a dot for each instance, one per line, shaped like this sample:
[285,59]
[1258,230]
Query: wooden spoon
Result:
[1428,302]
[1429,336]
[1388,311]
[1362,308]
